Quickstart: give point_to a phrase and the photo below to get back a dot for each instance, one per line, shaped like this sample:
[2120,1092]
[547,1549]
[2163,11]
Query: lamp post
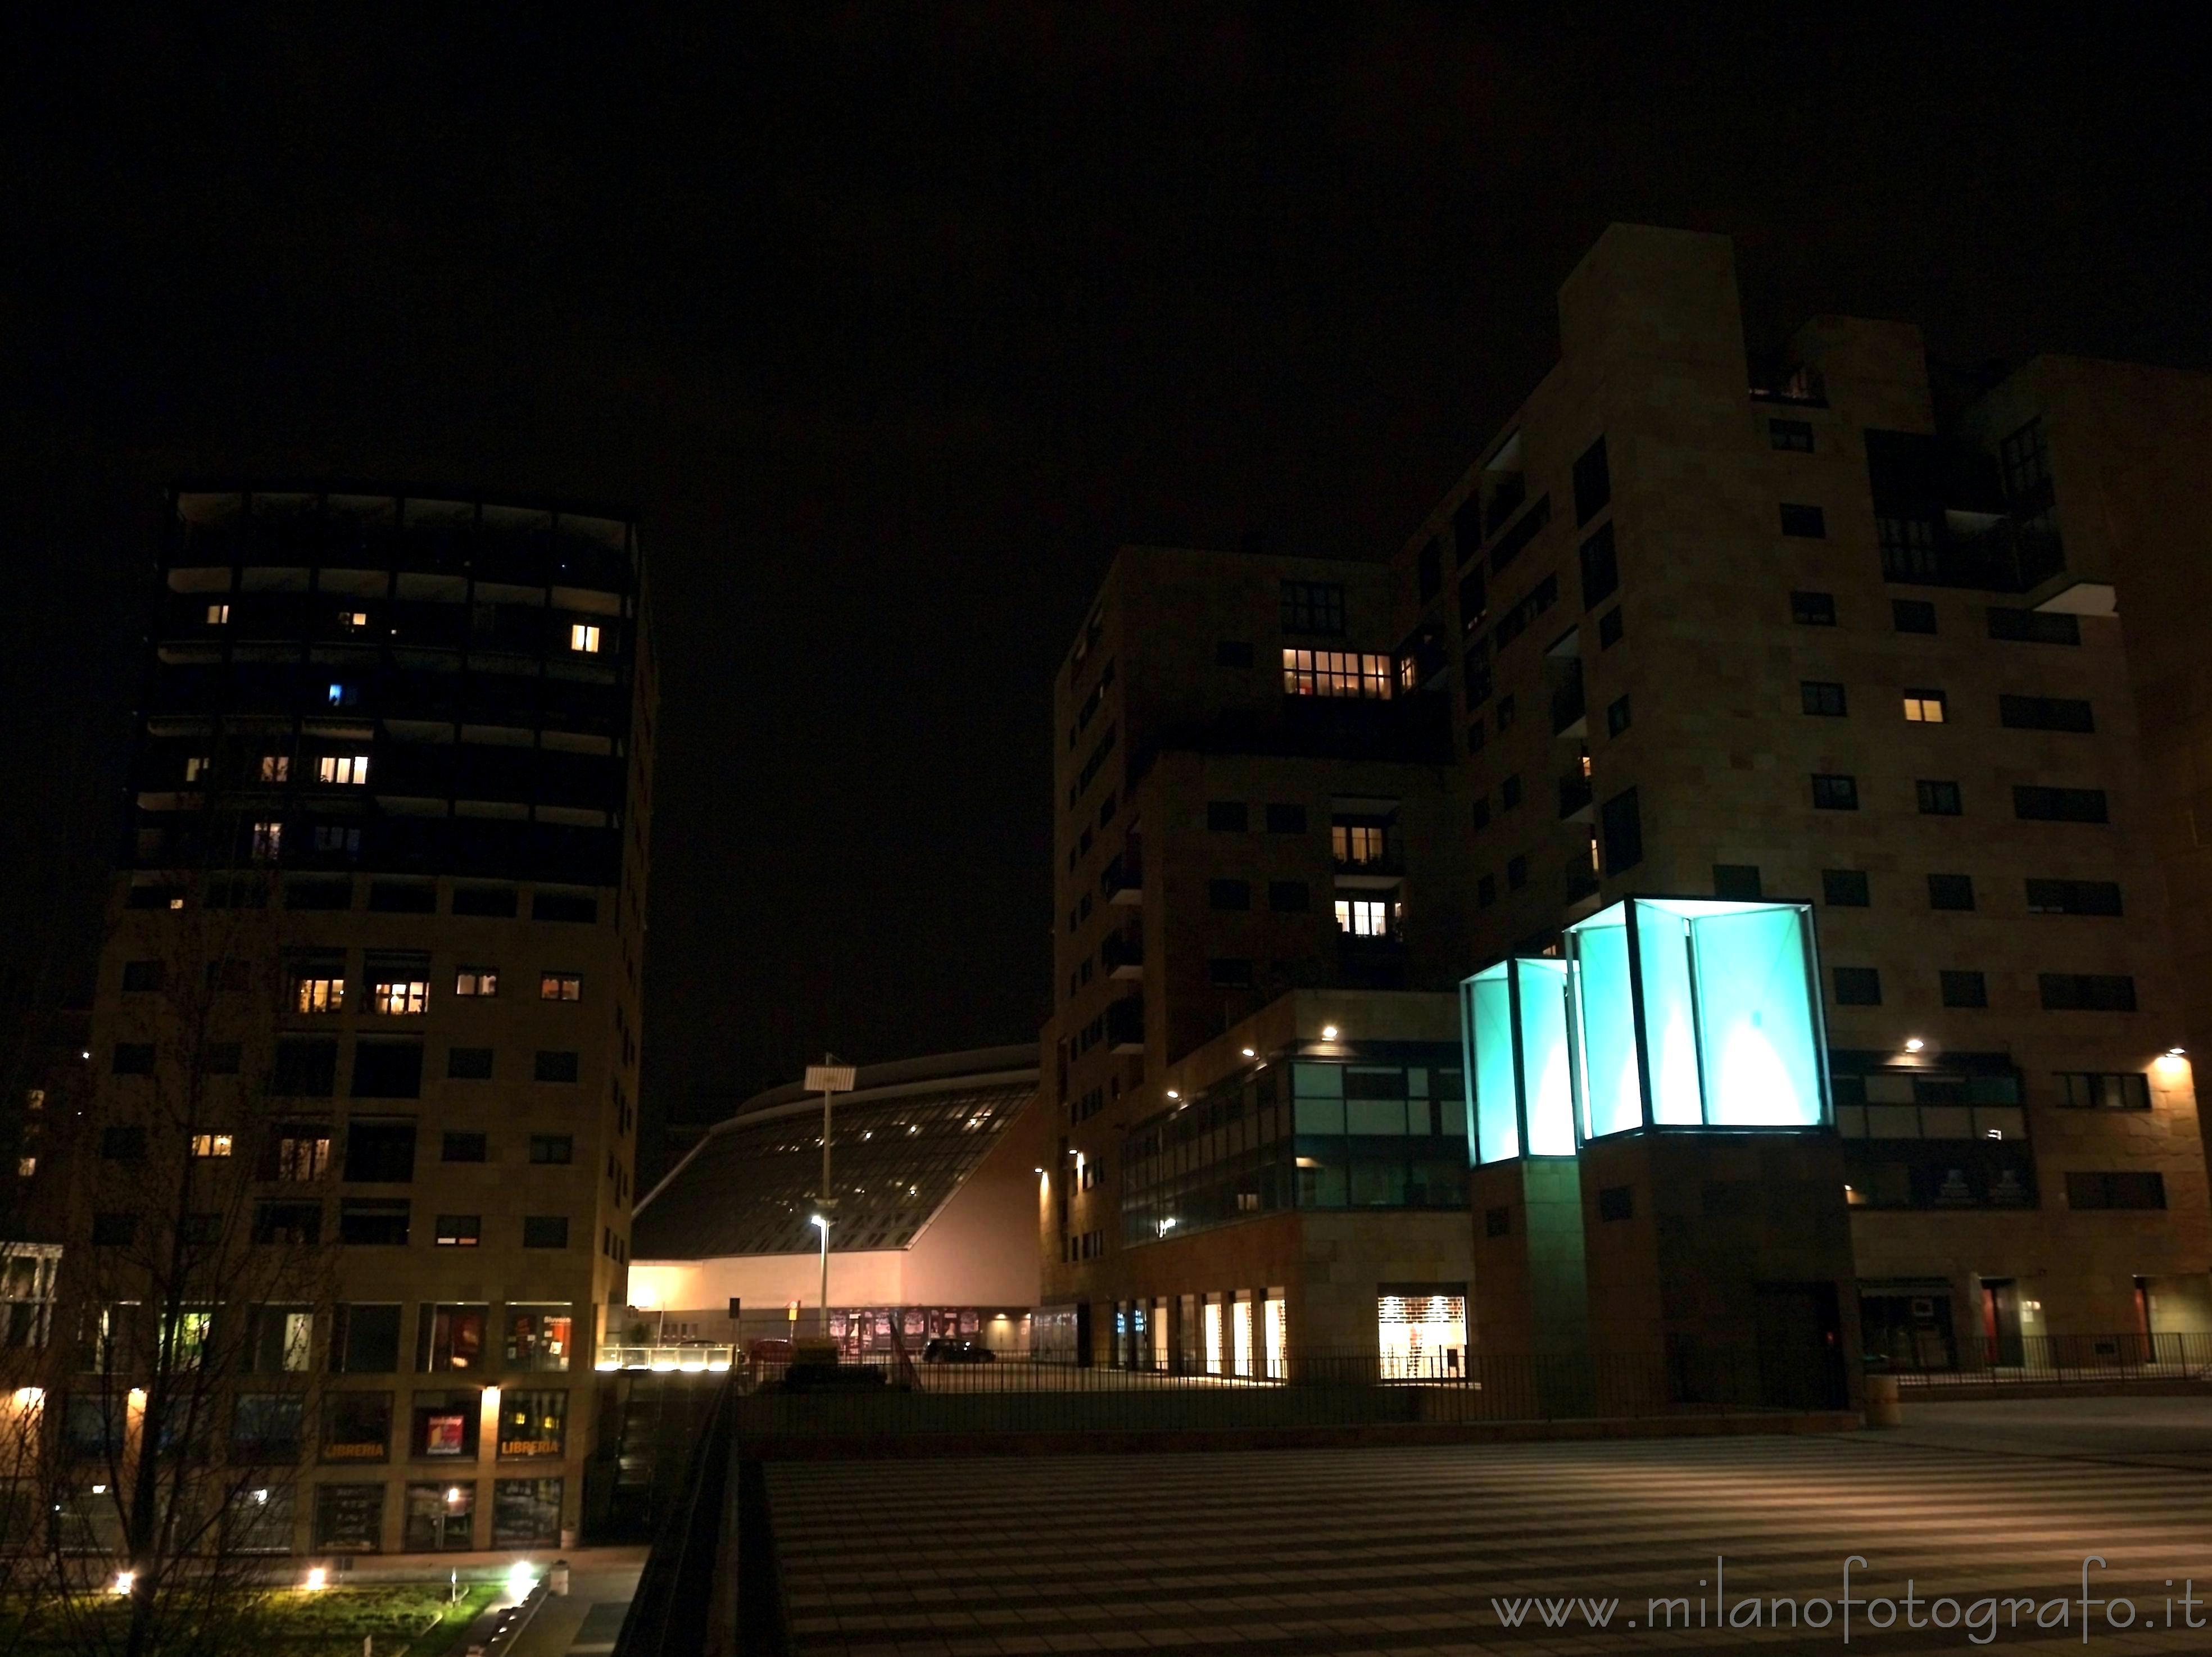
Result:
[829,1078]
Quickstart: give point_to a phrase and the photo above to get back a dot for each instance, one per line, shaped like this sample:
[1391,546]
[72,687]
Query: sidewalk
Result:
[601,1582]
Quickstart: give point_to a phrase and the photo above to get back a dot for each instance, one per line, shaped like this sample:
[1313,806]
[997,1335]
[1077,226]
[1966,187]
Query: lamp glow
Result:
[318,1579]
[520,1580]
[1328,1032]
[1172,1094]
[1913,1044]
[1248,1053]
[125,1580]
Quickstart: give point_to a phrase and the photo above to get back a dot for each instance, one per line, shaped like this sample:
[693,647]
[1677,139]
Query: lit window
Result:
[303,1153]
[1367,917]
[318,994]
[210,1144]
[1336,673]
[353,620]
[477,980]
[1924,707]
[584,637]
[218,615]
[268,841]
[344,695]
[561,987]
[1356,842]
[276,768]
[333,837]
[459,1231]
[348,768]
[25,1166]
[197,767]
[409,995]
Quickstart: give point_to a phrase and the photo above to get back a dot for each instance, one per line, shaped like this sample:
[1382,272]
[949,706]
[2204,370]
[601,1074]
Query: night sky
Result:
[892,322]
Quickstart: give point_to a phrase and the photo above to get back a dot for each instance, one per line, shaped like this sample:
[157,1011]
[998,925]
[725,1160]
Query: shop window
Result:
[348,1517]
[356,1427]
[534,1423]
[364,1339]
[444,1425]
[538,1338]
[440,1518]
[452,1337]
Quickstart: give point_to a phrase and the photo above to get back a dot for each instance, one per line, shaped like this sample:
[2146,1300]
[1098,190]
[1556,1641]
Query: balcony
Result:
[665,1360]
[1125,1025]
[1123,881]
[1122,956]
[1569,711]
[1582,883]
[1575,799]
[1384,870]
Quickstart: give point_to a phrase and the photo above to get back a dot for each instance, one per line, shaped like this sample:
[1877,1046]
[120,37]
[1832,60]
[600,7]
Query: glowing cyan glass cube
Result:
[1520,1066]
[1694,1012]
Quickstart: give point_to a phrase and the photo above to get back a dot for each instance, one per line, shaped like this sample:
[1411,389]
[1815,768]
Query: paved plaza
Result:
[1410,1551]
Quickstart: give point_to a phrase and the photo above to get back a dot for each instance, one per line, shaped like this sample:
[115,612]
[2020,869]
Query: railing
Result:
[686,1601]
[1120,950]
[1575,793]
[1568,708]
[664,1360]
[2088,1360]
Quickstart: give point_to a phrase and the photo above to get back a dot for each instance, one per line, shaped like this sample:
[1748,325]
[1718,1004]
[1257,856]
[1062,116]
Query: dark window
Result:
[545,1231]
[1232,653]
[2116,1191]
[1964,989]
[2058,805]
[554,1066]
[459,1230]
[264,1429]
[2024,465]
[1526,528]
[1938,798]
[1517,874]
[1601,568]
[287,1222]
[122,1145]
[483,900]
[552,1147]
[2046,713]
[1496,1222]
[114,1229]
[2033,627]
[1505,713]
[307,1067]
[402,897]
[1531,604]
[1616,716]
[1795,434]
[2104,1090]
[141,976]
[1474,672]
[1474,600]
[1313,607]
[1845,889]
[318,895]
[1229,894]
[1229,972]
[1593,483]
[1822,697]
[1621,830]
[1858,986]
[1912,615]
[1480,814]
[469,1064]
[1467,527]
[1835,793]
[1609,629]
[1287,819]
[1485,891]
[563,906]
[365,1341]
[2073,897]
[133,1059]
[1288,896]
[1737,882]
[223,1057]
[1808,523]
[1950,891]
[380,1153]
[1228,816]
[1616,1202]
[1509,792]
[1432,569]
[374,1222]
[387,1070]
[464,1148]
[2087,991]
[1813,608]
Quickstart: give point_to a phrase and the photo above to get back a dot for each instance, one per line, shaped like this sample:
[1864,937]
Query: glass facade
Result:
[1696,1013]
[1514,1021]
[1383,1128]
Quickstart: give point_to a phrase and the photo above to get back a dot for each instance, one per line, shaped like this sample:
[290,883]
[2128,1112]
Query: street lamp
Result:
[829,1078]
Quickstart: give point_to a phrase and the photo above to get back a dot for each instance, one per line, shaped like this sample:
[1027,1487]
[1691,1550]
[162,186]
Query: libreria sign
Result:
[1668,1012]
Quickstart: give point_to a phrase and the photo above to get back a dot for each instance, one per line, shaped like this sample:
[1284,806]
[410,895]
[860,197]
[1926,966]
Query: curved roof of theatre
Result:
[907,1137]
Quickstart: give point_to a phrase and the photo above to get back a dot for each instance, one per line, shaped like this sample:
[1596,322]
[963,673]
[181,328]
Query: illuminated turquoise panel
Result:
[1547,1093]
[1487,1016]
[1756,1019]
[1605,1024]
[1669,1014]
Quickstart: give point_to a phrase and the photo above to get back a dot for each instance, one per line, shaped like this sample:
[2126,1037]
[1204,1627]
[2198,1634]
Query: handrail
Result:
[672,1612]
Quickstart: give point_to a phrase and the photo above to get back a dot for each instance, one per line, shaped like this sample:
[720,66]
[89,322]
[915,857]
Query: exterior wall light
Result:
[1913,1044]
[1328,1032]
[1248,1053]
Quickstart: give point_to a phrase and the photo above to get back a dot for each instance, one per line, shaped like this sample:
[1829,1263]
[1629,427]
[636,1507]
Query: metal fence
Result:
[2080,1361]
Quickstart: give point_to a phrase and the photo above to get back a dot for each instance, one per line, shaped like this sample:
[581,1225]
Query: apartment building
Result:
[1806,632]
[369,1009]
[1252,798]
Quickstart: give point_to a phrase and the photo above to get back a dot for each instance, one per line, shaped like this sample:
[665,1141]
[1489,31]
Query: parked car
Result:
[771,1351]
[947,1349]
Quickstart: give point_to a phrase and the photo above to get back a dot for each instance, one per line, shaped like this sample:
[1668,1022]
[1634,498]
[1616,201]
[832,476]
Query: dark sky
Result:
[893,321]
